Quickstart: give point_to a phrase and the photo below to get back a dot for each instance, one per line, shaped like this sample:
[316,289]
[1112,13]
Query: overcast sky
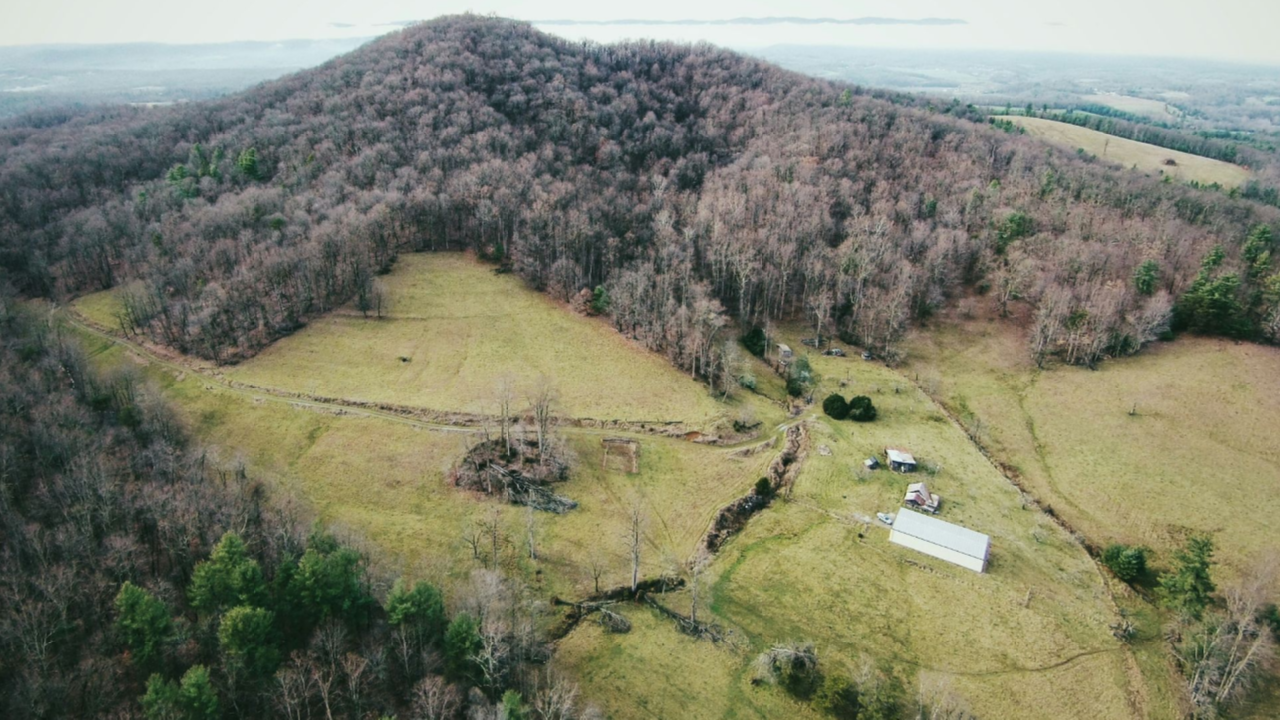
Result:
[1242,30]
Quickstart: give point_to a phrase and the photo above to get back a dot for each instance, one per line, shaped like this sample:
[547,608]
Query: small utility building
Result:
[784,353]
[900,460]
[941,539]
[919,497]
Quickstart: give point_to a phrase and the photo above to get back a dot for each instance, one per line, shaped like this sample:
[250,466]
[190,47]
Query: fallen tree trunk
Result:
[580,610]
[687,625]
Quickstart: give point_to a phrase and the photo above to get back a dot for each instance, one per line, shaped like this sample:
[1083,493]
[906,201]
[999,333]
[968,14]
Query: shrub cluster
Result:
[858,408]
[1127,562]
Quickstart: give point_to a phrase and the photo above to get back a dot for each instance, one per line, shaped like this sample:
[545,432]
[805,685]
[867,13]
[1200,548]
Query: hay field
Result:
[1132,154]
[1154,109]
[1197,456]
[461,328]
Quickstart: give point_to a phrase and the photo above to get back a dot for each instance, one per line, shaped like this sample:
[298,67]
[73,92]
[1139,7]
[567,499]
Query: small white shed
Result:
[941,539]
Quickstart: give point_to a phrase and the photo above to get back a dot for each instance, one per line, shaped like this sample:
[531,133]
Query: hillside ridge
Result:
[691,183]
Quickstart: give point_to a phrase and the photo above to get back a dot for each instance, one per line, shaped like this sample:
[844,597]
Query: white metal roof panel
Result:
[941,532]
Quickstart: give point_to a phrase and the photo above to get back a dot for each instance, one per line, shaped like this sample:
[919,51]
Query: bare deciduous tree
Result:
[473,537]
[635,541]
[505,397]
[531,531]
[542,400]
[938,700]
[1223,655]
[434,699]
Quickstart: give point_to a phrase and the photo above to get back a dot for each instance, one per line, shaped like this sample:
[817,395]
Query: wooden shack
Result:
[900,460]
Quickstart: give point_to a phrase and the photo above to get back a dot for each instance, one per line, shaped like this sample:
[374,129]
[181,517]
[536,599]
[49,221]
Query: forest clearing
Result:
[1041,614]
[1157,110]
[1150,159]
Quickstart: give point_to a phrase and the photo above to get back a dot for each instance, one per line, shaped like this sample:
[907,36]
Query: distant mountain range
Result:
[771,20]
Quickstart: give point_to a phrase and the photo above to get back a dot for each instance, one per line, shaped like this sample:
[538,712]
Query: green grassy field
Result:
[385,479]
[1196,456]
[656,672]
[1154,109]
[1028,639]
[462,328]
[1132,154]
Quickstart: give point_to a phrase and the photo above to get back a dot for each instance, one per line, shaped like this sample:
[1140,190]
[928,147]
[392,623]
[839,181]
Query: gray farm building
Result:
[941,539]
[900,460]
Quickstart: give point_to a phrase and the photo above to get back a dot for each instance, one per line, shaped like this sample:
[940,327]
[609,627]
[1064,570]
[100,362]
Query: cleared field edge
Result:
[1131,153]
[430,351]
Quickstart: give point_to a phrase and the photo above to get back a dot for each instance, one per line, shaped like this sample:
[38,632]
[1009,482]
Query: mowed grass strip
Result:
[454,329]
[1179,439]
[1133,154]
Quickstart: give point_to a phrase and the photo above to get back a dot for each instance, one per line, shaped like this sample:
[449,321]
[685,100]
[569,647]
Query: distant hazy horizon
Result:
[1229,30]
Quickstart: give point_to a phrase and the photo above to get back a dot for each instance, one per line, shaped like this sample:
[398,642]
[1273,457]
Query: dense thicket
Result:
[137,580]
[689,182]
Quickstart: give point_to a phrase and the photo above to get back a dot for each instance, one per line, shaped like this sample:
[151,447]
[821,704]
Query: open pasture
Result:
[1154,109]
[454,329]
[1030,638]
[1179,439]
[1146,158]
[385,479]
[1031,633]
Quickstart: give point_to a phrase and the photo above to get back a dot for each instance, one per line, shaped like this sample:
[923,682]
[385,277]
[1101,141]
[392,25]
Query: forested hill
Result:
[688,181]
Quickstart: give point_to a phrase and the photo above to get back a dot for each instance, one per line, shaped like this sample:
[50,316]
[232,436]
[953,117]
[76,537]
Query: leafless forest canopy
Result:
[692,183]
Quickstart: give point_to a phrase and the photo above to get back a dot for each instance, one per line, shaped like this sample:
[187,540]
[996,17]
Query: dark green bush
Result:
[755,342]
[1128,563]
[835,406]
[861,409]
[1271,616]
[838,697]
[763,487]
[802,681]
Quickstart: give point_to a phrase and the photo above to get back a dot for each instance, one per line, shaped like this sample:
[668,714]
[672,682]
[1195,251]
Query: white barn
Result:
[940,539]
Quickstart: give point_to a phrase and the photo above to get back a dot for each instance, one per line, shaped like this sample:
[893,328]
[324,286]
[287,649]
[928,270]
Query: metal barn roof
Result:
[940,532]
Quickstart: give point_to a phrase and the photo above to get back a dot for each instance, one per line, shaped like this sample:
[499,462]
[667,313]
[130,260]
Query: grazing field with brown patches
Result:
[1035,627]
